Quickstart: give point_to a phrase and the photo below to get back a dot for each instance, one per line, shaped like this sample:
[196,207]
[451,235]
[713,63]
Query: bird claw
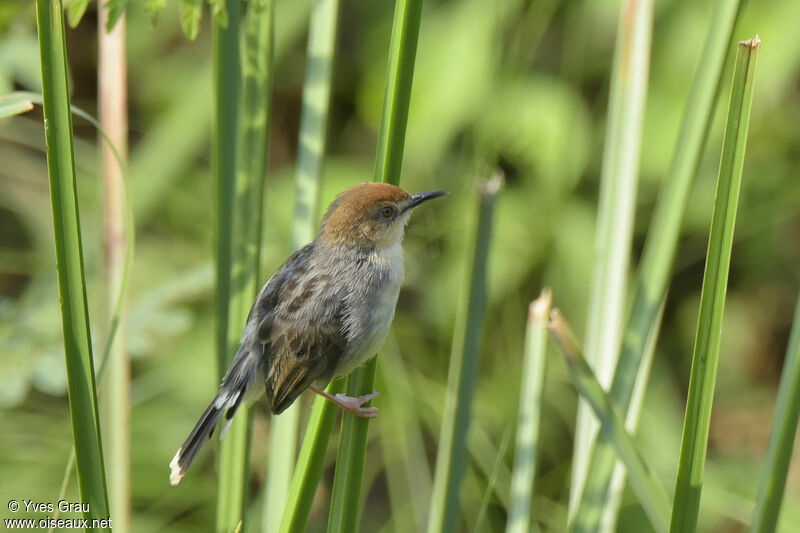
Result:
[354,404]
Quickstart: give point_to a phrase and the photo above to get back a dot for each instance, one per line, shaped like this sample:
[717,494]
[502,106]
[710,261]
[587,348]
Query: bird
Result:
[322,314]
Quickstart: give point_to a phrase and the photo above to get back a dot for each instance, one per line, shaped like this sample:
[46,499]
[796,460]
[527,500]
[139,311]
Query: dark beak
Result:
[415,199]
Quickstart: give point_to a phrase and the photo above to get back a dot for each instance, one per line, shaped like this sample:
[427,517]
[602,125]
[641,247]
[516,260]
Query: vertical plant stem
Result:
[347,481]
[530,410]
[658,255]
[451,455]
[712,301]
[127,262]
[227,81]
[781,439]
[400,74]
[253,150]
[310,462]
[313,128]
[227,73]
[113,117]
[314,118]
[69,260]
[646,486]
[397,96]
[615,216]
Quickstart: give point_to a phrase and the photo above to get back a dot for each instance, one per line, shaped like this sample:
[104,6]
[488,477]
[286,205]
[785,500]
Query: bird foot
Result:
[354,404]
[351,404]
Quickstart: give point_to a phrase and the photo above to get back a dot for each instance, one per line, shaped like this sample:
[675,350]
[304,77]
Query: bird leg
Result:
[351,404]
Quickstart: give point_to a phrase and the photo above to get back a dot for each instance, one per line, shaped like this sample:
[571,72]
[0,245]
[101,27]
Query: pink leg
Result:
[350,404]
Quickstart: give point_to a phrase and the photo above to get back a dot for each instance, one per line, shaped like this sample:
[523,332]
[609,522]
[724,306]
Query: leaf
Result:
[220,12]
[153,8]
[13,104]
[191,13]
[75,11]
[116,8]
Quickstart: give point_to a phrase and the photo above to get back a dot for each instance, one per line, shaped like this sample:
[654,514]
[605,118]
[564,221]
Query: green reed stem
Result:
[659,252]
[311,152]
[614,231]
[310,462]
[712,301]
[388,162]
[227,80]
[781,439]
[69,260]
[530,412]
[451,454]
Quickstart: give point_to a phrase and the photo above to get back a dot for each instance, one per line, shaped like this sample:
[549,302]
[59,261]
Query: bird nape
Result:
[326,311]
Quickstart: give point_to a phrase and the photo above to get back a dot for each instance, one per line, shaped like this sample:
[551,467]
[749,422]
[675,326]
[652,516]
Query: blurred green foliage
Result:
[516,83]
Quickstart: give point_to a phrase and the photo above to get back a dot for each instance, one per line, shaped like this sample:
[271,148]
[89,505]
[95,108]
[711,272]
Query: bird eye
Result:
[387,211]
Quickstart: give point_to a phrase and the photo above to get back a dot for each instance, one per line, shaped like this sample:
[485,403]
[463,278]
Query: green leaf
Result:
[153,8]
[191,13]
[220,12]
[116,8]
[14,104]
[75,11]
[712,301]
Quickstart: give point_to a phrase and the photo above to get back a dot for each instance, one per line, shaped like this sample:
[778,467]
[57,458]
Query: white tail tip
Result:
[177,472]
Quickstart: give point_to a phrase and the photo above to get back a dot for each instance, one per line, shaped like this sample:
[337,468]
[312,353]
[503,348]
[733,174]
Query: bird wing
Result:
[300,357]
[300,328]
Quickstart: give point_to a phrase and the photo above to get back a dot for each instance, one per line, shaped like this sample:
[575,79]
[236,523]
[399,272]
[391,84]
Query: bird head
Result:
[371,214]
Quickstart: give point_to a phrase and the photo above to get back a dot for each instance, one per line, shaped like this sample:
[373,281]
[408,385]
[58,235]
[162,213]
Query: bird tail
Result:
[243,371]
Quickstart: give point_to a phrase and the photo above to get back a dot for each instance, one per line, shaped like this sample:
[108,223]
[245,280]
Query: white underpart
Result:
[367,326]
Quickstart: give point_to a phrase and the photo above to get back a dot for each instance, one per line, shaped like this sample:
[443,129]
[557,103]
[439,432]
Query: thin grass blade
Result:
[648,489]
[781,439]
[530,412]
[658,256]
[451,454]
[614,231]
[712,301]
[69,261]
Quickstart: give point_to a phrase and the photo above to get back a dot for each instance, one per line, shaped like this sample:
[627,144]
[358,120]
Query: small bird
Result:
[325,312]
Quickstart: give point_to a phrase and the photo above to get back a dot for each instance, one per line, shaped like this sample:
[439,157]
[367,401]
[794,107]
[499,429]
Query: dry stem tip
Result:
[540,307]
[495,183]
[752,43]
